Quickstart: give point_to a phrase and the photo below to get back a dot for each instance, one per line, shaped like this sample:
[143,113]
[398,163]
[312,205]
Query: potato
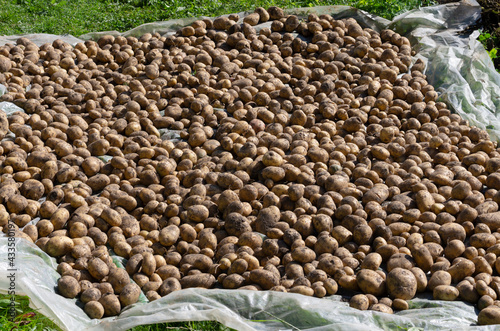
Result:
[445,292]
[169,235]
[250,239]
[422,257]
[169,285]
[59,218]
[302,289]
[267,218]
[200,280]
[91,294]
[198,261]
[111,304]
[371,282]
[400,260]
[381,308]
[461,269]
[104,287]
[97,268]
[264,278]
[401,284]
[197,213]
[400,304]
[303,255]
[59,246]
[94,309]
[118,278]
[32,189]
[454,249]
[68,287]
[236,224]
[372,261]
[359,301]
[233,281]
[112,217]
[16,204]
[439,278]
[489,316]
[421,278]
[148,263]
[129,294]
[348,282]
[467,292]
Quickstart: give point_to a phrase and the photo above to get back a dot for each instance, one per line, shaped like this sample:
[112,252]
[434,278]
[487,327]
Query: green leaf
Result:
[493,53]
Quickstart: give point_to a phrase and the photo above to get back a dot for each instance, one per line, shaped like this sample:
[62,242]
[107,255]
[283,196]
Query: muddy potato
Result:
[489,316]
[197,213]
[371,282]
[199,280]
[454,249]
[439,278]
[118,278]
[112,217]
[359,301]
[422,257]
[59,218]
[32,189]
[111,304]
[250,239]
[264,278]
[79,251]
[59,246]
[421,278]
[467,291]
[302,289]
[68,287]
[129,294]
[169,285]
[16,204]
[91,294]
[94,309]
[233,281]
[400,304]
[148,263]
[303,255]
[401,284]
[372,261]
[97,268]
[169,235]
[382,308]
[198,261]
[461,269]
[445,292]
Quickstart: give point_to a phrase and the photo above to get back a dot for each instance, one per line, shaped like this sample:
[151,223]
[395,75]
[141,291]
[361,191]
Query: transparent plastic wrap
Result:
[458,67]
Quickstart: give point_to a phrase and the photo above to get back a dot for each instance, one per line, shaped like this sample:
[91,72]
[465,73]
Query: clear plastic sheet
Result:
[459,68]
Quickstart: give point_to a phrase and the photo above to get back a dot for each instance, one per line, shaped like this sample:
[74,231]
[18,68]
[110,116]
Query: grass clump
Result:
[29,319]
[77,17]
[24,317]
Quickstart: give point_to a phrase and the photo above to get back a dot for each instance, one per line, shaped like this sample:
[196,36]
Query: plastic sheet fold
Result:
[462,73]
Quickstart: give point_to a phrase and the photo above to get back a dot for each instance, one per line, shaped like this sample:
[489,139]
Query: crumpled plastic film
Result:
[9,108]
[457,64]
[460,70]
[39,38]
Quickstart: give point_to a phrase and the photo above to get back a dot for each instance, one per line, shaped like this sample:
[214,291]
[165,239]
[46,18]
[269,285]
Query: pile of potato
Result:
[313,158]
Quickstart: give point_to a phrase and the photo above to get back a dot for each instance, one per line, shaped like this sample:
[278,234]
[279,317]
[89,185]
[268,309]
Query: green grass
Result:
[183,326]
[78,17]
[27,318]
